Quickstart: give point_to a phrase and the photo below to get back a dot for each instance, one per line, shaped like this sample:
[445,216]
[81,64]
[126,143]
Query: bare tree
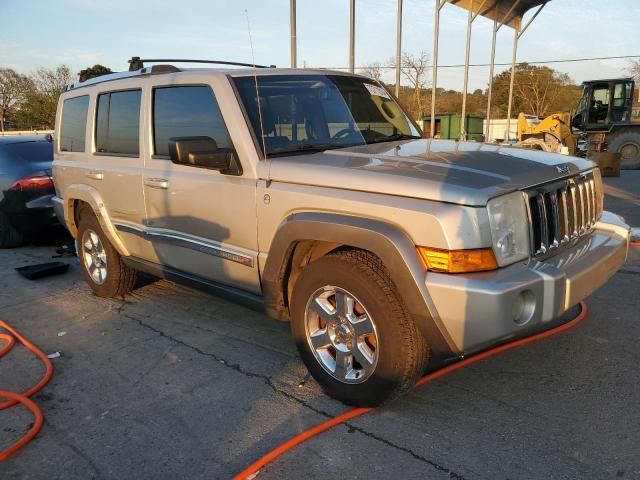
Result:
[52,81]
[414,68]
[634,70]
[13,87]
[373,70]
[39,108]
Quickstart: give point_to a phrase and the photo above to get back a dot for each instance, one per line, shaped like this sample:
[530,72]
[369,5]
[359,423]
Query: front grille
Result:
[562,212]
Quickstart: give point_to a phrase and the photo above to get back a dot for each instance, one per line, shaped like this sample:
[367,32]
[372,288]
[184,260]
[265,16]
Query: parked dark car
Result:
[26,188]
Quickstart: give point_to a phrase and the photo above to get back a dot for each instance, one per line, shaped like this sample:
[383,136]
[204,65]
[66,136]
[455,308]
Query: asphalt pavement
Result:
[175,383]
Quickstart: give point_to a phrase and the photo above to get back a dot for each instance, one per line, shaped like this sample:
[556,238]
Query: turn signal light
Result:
[458,261]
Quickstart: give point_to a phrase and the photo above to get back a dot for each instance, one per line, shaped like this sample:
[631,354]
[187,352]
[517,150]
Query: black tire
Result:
[9,236]
[120,278]
[628,144]
[403,352]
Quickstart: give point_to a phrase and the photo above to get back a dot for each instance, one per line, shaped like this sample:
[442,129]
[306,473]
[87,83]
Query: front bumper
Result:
[482,309]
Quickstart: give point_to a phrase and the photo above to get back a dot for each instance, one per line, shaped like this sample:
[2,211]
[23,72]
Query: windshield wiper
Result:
[391,138]
[311,147]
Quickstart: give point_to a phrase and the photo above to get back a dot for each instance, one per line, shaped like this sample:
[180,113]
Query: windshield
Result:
[302,113]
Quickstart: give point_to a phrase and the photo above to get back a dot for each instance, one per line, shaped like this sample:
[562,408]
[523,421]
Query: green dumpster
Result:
[448,126]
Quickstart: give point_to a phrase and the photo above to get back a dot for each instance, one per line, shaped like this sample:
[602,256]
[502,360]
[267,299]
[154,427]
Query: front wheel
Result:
[627,143]
[352,329]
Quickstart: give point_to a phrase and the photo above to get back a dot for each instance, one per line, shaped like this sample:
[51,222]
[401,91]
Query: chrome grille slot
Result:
[561,213]
[581,202]
[593,203]
[566,232]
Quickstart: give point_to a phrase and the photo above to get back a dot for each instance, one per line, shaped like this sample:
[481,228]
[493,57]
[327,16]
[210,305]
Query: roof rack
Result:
[137,63]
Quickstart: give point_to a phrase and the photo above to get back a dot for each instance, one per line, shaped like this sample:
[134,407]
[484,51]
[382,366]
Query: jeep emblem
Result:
[563,169]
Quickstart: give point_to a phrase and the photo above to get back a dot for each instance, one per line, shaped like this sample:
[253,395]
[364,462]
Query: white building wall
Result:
[499,128]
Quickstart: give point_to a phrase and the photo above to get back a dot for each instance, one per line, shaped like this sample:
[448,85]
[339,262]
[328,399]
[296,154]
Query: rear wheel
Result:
[628,145]
[9,236]
[102,265]
[352,329]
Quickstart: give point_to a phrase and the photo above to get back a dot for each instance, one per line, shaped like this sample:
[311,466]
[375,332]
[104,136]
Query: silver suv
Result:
[311,194]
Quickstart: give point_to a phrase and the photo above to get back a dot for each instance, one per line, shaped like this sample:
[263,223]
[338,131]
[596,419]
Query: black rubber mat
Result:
[41,270]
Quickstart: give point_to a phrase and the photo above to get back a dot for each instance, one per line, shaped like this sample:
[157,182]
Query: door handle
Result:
[162,183]
[95,174]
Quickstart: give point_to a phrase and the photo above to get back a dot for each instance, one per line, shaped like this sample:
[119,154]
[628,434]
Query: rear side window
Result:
[186,112]
[118,122]
[73,124]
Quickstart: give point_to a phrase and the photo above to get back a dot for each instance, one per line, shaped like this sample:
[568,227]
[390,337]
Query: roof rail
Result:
[152,70]
[137,63]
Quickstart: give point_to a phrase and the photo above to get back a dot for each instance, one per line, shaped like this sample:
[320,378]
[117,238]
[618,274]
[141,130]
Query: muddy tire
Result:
[627,143]
[353,331]
[102,265]
[9,236]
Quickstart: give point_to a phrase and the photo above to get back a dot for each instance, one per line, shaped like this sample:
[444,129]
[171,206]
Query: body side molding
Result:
[174,238]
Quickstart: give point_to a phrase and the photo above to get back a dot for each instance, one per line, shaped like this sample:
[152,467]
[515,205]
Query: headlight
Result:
[509,228]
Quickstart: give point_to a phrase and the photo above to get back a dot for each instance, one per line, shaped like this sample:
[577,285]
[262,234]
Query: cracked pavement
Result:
[175,383]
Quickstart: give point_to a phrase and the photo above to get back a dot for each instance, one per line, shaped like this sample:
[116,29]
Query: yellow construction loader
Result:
[551,134]
[607,119]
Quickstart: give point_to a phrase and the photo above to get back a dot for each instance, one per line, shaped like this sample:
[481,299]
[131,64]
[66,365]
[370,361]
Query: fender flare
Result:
[90,196]
[389,243]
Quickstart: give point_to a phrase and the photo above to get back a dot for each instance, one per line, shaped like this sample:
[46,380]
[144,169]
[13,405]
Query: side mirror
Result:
[203,152]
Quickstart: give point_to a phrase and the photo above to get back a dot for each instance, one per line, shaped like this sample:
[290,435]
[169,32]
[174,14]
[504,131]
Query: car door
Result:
[199,220]
[116,164]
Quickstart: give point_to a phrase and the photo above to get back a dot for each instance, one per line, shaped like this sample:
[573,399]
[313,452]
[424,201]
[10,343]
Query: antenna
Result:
[255,78]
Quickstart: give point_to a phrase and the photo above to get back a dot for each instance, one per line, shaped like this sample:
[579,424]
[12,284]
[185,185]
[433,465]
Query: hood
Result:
[466,173]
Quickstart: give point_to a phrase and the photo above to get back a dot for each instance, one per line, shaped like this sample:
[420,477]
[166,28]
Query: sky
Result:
[81,33]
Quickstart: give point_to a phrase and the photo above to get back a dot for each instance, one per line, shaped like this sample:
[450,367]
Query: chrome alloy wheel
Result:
[341,334]
[94,256]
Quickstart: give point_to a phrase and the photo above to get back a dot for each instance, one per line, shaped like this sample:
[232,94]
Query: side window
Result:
[73,124]
[622,93]
[118,122]
[186,112]
[599,108]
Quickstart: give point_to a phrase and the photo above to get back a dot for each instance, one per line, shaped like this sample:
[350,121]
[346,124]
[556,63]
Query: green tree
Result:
[13,87]
[95,71]
[537,90]
[38,111]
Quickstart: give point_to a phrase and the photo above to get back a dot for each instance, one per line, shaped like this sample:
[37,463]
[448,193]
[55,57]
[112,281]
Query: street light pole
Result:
[491,69]
[398,48]
[513,74]
[434,81]
[463,126]
[352,36]
[294,39]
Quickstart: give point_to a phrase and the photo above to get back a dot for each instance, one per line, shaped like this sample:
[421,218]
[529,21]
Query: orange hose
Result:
[22,398]
[33,431]
[356,412]
[9,345]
